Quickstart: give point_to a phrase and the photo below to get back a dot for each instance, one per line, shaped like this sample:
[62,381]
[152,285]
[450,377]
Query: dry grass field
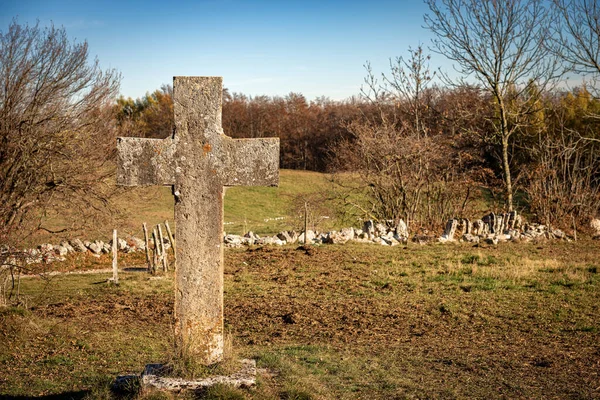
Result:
[331,322]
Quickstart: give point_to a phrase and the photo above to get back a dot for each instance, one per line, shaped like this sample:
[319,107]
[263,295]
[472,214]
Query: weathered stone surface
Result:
[348,233]
[369,228]
[250,238]
[199,161]
[595,225]
[67,246]
[335,237]
[479,228]
[143,162]
[450,231]
[136,243]
[502,237]
[247,241]
[310,236]
[381,229]
[389,241]
[251,235]
[232,240]
[122,244]
[285,236]
[271,240]
[379,240]
[78,245]
[155,377]
[401,229]
[61,250]
[96,247]
[467,237]
[490,220]
[492,240]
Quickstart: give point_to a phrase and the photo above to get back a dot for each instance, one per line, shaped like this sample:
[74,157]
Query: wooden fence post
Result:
[305,223]
[115,278]
[156,254]
[148,260]
[171,239]
[162,250]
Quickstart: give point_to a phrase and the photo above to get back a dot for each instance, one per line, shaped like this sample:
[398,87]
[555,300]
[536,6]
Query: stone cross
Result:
[198,161]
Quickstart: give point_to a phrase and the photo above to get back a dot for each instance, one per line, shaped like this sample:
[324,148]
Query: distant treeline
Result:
[308,130]
[447,137]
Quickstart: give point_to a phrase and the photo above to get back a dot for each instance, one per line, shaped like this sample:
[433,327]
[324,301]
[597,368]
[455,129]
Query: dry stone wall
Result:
[491,229]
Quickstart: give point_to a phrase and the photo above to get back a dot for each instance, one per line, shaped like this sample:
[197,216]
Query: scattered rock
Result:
[122,245]
[310,236]
[135,243]
[449,232]
[78,245]
[232,240]
[595,225]
[67,246]
[467,237]
[287,236]
[491,229]
[479,228]
[381,229]
[96,247]
[369,229]
[492,240]
[348,233]
[61,250]
[401,229]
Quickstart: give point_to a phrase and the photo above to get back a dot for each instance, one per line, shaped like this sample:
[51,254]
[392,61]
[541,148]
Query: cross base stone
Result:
[155,377]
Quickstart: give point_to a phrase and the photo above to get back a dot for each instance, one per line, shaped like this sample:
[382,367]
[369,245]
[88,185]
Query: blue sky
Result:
[259,47]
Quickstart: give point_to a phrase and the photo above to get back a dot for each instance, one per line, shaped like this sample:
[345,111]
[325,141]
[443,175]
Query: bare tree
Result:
[564,180]
[408,167]
[504,45]
[408,83]
[579,34]
[55,124]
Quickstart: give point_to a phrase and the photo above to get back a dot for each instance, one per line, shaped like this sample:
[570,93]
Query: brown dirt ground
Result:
[390,323]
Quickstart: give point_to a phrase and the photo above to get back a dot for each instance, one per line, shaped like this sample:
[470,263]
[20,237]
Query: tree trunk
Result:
[506,167]
[505,134]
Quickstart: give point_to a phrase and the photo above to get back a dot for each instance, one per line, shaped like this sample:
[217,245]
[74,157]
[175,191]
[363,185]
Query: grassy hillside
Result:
[258,209]
[263,210]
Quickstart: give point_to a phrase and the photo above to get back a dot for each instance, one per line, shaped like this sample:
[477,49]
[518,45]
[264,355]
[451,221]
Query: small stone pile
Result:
[495,228]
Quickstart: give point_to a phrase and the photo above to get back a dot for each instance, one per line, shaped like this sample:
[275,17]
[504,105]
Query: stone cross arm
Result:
[245,162]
